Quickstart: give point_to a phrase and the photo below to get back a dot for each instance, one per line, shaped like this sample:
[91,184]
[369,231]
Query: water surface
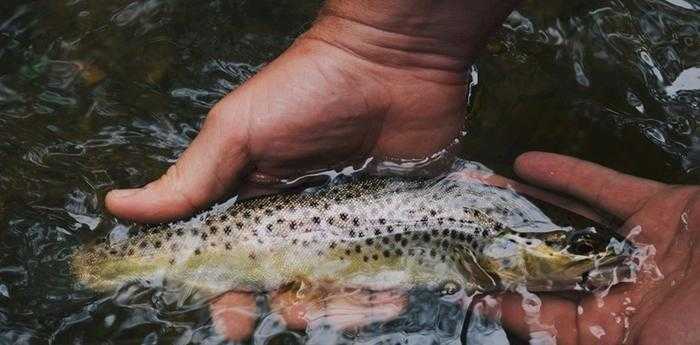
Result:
[96,95]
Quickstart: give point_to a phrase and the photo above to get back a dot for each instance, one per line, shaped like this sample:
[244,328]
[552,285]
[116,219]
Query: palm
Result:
[653,310]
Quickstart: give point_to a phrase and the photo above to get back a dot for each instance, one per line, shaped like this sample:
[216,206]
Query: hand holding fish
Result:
[356,85]
[647,312]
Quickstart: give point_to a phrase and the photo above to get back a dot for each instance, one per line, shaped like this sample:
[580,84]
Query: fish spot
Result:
[426,238]
[358,248]
[316,220]
[369,241]
[375,257]
[355,222]
[343,216]
[386,253]
[179,232]
[204,236]
[197,251]
[223,218]
[157,244]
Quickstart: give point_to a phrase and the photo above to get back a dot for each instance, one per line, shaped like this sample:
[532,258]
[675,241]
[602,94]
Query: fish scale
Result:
[374,232]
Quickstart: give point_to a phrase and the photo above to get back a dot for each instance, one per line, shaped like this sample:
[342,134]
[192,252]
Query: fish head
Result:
[559,260]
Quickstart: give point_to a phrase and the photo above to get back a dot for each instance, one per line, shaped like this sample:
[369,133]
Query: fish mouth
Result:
[606,270]
[605,276]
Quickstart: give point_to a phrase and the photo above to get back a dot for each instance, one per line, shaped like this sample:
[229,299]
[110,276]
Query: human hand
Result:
[381,80]
[650,311]
[235,313]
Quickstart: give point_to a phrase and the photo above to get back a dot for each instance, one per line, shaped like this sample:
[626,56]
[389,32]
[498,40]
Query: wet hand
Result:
[318,106]
[235,313]
[650,311]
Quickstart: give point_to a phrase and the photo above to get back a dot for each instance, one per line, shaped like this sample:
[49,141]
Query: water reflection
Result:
[99,94]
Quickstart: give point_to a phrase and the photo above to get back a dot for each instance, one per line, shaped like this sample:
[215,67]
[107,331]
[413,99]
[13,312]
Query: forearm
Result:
[442,35]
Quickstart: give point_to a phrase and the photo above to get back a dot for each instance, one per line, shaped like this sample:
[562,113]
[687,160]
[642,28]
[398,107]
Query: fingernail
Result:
[124,193]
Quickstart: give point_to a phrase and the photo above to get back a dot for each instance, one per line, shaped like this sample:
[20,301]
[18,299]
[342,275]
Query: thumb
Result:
[203,174]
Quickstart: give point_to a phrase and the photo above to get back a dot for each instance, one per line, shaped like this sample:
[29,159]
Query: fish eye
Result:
[584,242]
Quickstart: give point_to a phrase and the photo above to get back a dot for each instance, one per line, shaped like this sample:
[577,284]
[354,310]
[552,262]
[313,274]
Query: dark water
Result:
[100,94]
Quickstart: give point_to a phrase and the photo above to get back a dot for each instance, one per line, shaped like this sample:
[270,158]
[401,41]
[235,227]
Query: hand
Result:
[369,79]
[650,311]
[235,313]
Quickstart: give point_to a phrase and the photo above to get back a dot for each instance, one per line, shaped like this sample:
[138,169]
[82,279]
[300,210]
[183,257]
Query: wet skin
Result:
[659,311]
[357,87]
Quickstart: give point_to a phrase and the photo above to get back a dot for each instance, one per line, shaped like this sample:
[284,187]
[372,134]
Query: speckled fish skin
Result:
[377,233]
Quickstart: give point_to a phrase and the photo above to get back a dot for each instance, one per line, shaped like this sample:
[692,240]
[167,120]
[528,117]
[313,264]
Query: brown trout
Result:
[375,233]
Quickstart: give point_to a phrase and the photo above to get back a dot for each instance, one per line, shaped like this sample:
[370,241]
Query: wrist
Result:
[439,38]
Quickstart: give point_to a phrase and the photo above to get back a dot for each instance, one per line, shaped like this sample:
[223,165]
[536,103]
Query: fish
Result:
[372,232]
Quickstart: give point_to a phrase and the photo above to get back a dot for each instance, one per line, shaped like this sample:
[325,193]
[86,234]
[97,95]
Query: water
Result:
[100,94]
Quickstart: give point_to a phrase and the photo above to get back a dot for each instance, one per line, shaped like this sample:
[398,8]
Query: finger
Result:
[234,315]
[293,308]
[342,310]
[203,174]
[531,318]
[536,193]
[360,308]
[617,193]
